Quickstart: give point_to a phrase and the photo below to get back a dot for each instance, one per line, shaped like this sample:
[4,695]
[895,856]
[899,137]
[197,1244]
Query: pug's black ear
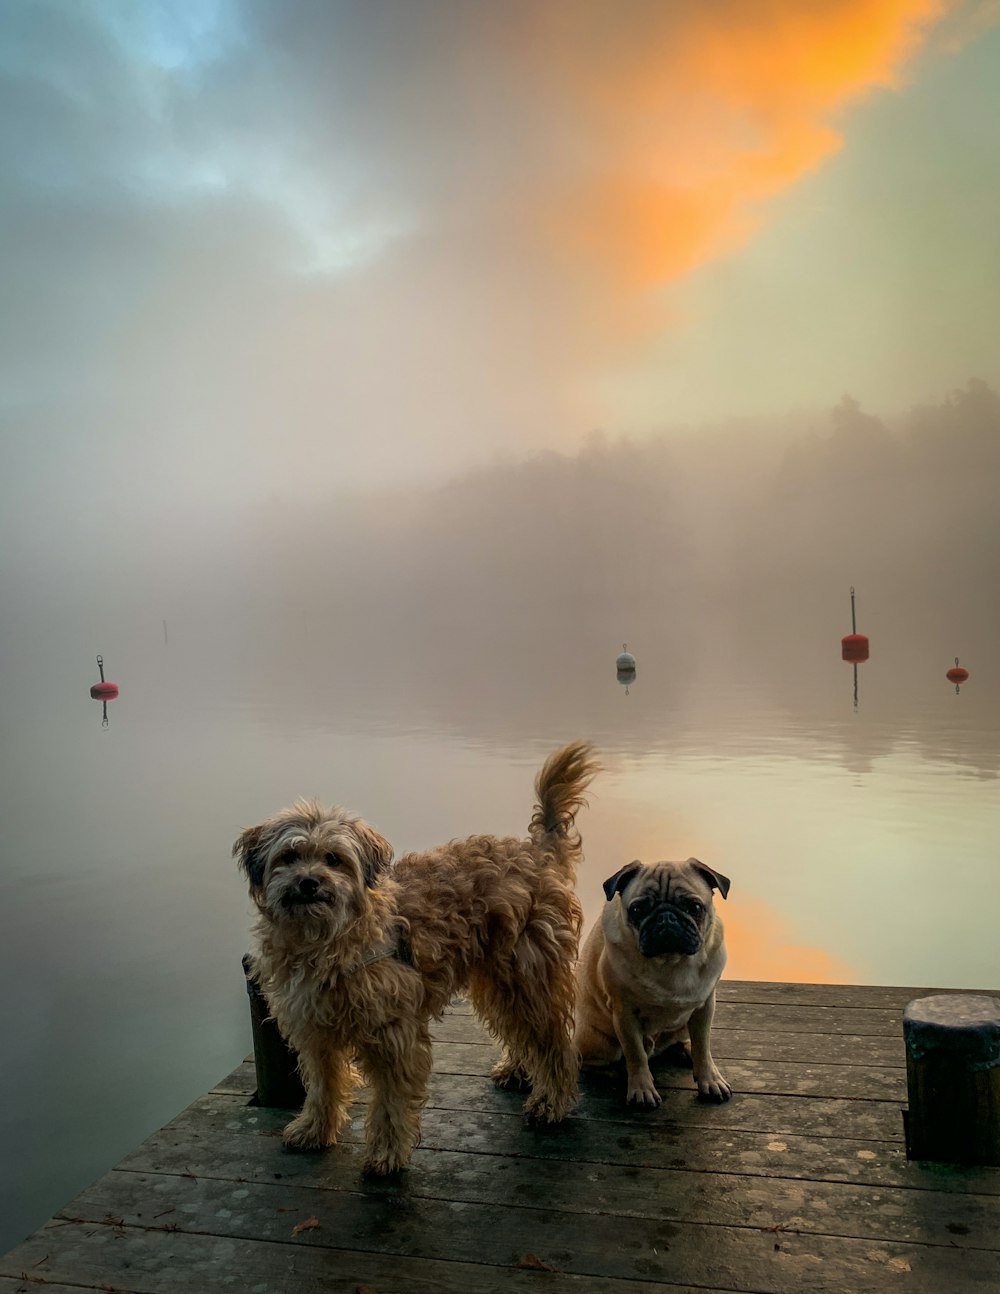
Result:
[376,852]
[714,878]
[615,884]
[249,853]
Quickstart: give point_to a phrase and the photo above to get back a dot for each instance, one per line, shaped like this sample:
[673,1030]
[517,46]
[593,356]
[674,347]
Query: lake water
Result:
[861,839]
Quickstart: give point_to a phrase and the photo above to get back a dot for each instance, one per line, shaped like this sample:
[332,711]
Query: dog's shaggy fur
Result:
[355,956]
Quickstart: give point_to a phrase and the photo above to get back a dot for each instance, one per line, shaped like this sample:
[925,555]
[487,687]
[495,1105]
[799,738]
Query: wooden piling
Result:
[953,1079]
[279,1085]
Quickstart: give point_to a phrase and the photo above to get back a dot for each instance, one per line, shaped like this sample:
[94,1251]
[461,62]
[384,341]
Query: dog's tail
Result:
[560,788]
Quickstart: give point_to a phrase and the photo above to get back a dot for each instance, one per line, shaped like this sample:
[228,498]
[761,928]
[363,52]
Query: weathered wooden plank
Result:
[863,1050]
[241,1082]
[779,1017]
[164,1262]
[774,1018]
[603,1099]
[837,995]
[744,1044]
[655,1144]
[35,1282]
[847,996]
[782,1046]
[762,1030]
[584,1185]
[880,1016]
[778,1258]
[851,996]
[858,997]
[793,1078]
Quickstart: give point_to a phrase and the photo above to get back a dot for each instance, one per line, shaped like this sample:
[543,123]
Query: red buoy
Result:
[957,673]
[103,691]
[854,648]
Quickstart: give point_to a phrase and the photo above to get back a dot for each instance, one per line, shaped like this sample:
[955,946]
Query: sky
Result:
[259,251]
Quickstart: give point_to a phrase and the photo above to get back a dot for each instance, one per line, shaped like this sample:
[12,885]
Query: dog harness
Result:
[395,947]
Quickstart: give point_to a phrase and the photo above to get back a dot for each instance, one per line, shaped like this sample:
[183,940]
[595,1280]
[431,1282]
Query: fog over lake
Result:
[371,373]
[415,656]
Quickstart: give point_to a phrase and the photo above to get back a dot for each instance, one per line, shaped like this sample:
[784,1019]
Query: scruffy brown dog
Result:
[356,956]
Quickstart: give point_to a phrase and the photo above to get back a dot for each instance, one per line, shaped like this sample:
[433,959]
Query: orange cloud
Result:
[679,120]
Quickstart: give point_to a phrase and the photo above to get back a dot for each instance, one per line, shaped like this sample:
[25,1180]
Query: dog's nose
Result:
[309,887]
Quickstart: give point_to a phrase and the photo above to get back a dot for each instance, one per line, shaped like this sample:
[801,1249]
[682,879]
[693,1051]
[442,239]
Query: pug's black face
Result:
[668,905]
[666,927]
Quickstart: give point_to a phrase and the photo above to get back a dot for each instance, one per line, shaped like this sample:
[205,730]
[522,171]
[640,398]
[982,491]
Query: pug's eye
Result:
[694,908]
[639,908]
[332,860]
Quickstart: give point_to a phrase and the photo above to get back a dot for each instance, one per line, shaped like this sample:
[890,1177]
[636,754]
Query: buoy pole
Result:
[854,630]
[100,666]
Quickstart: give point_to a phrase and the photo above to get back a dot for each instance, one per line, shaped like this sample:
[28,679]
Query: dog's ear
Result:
[714,878]
[376,852]
[615,884]
[249,854]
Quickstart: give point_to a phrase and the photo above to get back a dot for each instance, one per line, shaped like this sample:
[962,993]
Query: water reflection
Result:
[705,688]
[762,944]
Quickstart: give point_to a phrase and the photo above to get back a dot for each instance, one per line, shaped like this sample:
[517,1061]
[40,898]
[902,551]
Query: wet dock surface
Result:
[801,1182]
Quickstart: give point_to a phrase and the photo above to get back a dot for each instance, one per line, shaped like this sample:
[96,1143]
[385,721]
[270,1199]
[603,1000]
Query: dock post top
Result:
[960,1022]
[953,1078]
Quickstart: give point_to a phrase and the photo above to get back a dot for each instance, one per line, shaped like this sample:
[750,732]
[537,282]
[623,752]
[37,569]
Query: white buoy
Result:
[625,664]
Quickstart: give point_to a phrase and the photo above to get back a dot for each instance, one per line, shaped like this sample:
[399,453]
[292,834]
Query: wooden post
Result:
[278,1081]
[953,1078]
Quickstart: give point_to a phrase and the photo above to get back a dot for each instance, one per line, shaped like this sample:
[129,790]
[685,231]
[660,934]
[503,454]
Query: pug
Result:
[647,974]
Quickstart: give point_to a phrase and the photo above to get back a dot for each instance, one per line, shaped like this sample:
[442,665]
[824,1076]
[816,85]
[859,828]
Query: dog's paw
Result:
[509,1077]
[546,1111]
[713,1087]
[642,1092]
[305,1133]
[383,1164]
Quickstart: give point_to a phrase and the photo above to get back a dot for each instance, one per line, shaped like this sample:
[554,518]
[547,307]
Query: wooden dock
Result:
[800,1183]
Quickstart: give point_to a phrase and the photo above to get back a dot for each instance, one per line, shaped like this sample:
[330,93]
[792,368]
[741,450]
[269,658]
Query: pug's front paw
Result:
[712,1086]
[642,1091]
